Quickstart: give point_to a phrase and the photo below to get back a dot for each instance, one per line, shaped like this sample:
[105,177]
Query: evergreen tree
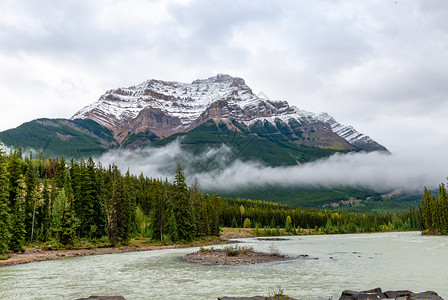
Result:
[131,205]
[69,224]
[234,224]
[182,207]
[45,213]
[14,171]
[5,219]
[59,171]
[18,231]
[57,211]
[31,182]
[159,212]
[173,228]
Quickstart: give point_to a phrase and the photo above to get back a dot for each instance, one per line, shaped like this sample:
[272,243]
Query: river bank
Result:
[37,253]
[42,254]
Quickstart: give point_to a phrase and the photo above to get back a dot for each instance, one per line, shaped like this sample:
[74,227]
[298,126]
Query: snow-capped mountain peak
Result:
[168,107]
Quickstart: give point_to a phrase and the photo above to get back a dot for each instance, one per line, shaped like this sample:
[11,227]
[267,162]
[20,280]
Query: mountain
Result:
[205,113]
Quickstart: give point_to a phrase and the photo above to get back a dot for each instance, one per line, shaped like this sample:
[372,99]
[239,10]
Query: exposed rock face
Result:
[165,108]
[398,295]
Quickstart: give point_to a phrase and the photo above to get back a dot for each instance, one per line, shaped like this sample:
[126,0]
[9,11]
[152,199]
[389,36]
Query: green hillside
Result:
[72,138]
[268,146]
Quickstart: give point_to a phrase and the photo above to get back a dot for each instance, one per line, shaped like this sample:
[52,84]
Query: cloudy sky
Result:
[381,66]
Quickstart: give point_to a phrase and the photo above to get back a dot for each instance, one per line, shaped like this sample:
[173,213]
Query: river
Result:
[398,260]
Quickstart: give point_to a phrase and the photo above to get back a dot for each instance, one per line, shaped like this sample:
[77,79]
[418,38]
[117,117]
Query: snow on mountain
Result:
[218,97]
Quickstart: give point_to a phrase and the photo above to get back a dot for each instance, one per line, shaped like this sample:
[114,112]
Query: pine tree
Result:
[5,219]
[45,214]
[443,211]
[159,212]
[57,210]
[234,224]
[69,224]
[31,182]
[173,228]
[14,171]
[18,231]
[182,207]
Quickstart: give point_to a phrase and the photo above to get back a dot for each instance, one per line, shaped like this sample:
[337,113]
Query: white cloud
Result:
[410,170]
[363,62]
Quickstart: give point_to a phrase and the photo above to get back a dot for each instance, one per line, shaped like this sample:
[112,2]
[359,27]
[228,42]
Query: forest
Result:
[434,211]
[67,202]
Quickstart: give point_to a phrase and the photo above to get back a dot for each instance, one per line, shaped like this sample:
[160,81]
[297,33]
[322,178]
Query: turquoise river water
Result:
[399,260]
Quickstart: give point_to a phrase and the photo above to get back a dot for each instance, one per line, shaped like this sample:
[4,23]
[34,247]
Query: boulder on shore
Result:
[397,295]
[276,297]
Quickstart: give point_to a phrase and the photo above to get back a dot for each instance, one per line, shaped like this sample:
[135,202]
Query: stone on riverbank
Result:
[282,297]
[397,295]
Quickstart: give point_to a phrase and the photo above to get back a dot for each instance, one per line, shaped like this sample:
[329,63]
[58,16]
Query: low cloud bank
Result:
[215,169]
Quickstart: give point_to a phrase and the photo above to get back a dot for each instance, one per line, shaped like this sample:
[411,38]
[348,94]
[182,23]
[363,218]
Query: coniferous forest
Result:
[67,202]
[434,211]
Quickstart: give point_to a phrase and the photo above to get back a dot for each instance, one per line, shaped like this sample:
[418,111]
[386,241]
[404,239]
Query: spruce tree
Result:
[159,211]
[31,182]
[173,230]
[18,231]
[45,214]
[14,171]
[182,207]
[69,224]
[5,219]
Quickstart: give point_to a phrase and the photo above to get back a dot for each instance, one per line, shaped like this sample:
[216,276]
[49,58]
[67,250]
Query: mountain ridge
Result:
[205,113]
[184,106]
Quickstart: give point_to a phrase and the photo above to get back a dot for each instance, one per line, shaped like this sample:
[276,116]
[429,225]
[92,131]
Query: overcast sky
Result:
[381,66]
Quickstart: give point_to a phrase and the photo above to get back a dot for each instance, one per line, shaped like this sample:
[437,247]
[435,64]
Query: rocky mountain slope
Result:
[165,108]
[205,113]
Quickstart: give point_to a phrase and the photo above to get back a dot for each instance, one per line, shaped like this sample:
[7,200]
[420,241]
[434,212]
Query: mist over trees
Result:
[64,202]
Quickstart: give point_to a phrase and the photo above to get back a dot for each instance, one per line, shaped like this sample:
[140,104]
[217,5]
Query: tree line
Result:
[434,211]
[52,199]
[270,216]
[68,201]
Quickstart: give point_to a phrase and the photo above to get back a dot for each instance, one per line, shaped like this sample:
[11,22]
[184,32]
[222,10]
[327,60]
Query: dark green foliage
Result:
[44,212]
[18,232]
[173,230]
[234,223]
[59,136]
[182,207]
[69,224]
[136,139]
[83,200]
[300,196]
[265,214]
[255,143]
[15,163]
[5,218]
[434,211]
[159,211]
[31,183]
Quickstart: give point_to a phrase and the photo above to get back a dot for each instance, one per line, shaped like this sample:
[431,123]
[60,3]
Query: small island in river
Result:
[234,255]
